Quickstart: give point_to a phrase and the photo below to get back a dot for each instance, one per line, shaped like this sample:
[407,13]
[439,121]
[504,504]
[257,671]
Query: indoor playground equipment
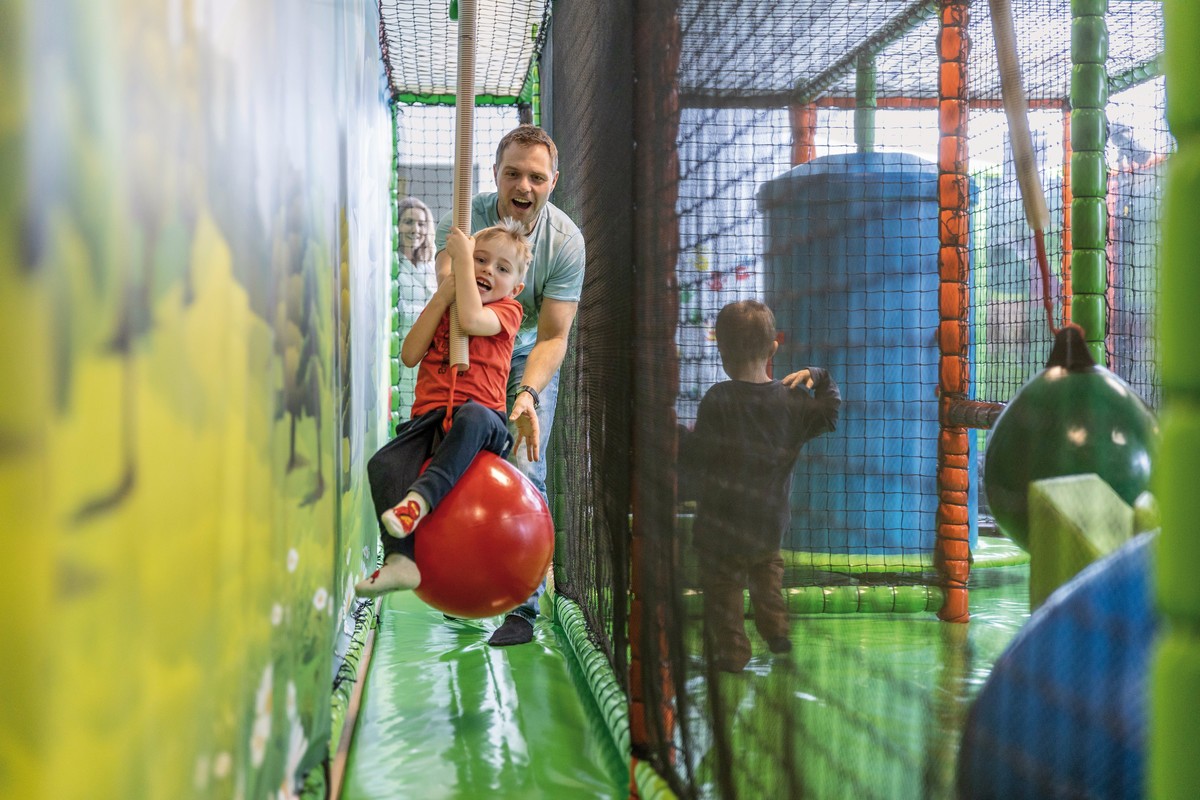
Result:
[486,546]
[194,298]
[485,549]
[869,489]
[1072,418]
[853,166]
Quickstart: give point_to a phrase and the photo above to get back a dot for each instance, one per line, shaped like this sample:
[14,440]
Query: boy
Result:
[487,273]
[741,455]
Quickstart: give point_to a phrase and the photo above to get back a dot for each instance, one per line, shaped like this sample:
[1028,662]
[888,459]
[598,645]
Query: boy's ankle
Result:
[404,518]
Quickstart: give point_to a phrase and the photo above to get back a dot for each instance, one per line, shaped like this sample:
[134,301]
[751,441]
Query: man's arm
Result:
[554,326]
[441,264]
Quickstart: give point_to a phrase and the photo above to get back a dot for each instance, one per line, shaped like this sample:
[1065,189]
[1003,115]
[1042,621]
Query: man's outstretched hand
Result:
[524,415]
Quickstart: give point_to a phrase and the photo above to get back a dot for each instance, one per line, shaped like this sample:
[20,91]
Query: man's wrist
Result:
[532,393]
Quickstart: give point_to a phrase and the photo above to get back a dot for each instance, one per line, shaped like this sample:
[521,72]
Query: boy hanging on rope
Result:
[740,459]
[487,273]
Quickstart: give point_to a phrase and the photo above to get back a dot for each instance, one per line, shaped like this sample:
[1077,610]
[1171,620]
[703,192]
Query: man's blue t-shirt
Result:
[556,270]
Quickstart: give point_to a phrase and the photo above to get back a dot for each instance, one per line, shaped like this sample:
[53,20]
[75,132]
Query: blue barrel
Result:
[851,272]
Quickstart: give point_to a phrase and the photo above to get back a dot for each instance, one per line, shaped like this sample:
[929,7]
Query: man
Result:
[526,171]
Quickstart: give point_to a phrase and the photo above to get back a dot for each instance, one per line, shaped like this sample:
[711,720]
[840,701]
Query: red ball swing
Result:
[489,542]
[487,545]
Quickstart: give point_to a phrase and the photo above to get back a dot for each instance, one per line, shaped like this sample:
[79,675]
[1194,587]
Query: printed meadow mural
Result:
[194,252]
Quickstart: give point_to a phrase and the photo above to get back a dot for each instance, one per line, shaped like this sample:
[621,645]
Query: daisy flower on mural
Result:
[320,598]
[260,735]
[297,746]
[293,559]
[201,773]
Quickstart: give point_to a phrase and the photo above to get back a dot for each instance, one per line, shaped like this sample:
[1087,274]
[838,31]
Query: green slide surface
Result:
[444,715]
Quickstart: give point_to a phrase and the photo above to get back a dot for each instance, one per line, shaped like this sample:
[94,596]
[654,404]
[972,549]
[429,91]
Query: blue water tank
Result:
[851,272]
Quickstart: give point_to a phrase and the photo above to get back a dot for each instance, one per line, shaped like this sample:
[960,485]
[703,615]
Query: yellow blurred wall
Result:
[194,242]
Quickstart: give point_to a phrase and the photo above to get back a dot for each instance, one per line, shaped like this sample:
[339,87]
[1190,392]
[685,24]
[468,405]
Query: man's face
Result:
[524,180]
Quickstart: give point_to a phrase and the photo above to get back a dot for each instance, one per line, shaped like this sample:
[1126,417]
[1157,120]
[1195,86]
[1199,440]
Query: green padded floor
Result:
[444,715]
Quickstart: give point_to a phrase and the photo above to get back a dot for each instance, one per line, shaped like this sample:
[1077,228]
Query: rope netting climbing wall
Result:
[1139,146]
[1122,172]
[850,167]
[812,186]
[419,41]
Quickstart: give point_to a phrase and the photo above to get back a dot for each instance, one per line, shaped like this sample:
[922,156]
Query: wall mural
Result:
[193,265]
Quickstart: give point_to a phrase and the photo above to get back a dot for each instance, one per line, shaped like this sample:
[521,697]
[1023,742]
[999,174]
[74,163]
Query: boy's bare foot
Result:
[398,572]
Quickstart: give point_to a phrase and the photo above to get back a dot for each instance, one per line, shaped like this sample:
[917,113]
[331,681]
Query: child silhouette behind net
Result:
[739,461]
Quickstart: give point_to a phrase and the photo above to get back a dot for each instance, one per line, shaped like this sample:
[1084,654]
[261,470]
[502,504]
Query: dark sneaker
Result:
[780,645]
[515,630]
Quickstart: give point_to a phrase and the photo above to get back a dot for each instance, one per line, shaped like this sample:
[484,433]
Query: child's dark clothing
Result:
[479,423]
[740,459]
[394,469]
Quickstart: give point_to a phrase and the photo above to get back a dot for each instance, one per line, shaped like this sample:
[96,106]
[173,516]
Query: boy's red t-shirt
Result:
[486,381]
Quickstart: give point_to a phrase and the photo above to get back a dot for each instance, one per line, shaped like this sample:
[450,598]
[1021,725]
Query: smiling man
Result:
[526,171]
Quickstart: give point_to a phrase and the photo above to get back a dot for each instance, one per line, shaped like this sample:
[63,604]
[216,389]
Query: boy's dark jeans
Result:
[396,468]
[722,580]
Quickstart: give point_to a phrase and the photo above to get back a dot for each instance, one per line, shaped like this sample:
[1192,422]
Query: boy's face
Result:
[524,180]
[496,273]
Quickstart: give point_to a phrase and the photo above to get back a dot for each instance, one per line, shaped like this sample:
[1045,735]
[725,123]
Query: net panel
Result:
[424,194]
[420,48]
[805,139]
[1139,146]
[590,116]
[808,179]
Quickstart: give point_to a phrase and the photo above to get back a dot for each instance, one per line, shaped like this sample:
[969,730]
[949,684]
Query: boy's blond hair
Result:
[745,331]
[515,232]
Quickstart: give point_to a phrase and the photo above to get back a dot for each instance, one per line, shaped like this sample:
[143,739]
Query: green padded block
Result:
[1089,223]
[1146,515]
[1073,520]
[395,372]
[1174,770]
[805,600]
[876,599]
[1089,40]
[840,599]
[1175,471]
[1089,86]
[1088,312]
[1179,299]
[1181,62]
[1099,353]
[1089,175]
[1089,129]
[1089,271]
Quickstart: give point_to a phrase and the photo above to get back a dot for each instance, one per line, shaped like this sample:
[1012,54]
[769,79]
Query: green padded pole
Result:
[1174,770]
[1089,172]
[864,107]
[394,284]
